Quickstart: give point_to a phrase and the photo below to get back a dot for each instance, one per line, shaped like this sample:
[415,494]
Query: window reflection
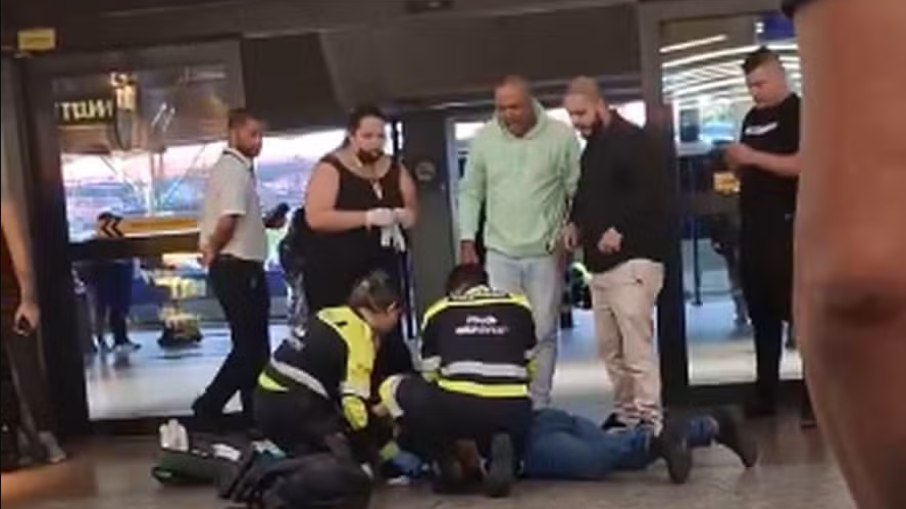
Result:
[704,82]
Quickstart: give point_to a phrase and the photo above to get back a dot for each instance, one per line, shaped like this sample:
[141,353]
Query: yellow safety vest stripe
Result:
[484,390]
[269,384]
[360,352]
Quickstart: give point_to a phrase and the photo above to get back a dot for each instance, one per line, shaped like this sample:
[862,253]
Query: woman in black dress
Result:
[358,202]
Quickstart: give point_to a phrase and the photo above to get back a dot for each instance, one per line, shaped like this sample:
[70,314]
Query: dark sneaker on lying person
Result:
[501,474]
[613,423]
[731,434]
[671,445]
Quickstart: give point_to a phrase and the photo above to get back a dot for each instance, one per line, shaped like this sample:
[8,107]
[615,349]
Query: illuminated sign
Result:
[37,39]
[101,110]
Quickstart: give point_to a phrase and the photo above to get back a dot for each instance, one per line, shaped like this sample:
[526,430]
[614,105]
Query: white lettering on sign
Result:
[87,111]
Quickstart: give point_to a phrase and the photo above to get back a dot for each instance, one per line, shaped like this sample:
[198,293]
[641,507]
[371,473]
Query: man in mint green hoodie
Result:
[523,167]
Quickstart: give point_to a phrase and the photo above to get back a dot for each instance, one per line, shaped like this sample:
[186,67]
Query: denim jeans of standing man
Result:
[540,279]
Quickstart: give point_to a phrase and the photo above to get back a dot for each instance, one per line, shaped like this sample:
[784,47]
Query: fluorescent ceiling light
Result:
[695,43]
[702,57]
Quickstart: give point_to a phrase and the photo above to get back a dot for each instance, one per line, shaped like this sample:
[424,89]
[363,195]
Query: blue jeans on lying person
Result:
[564,446]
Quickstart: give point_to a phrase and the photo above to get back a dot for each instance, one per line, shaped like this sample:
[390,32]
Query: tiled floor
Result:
[796,473]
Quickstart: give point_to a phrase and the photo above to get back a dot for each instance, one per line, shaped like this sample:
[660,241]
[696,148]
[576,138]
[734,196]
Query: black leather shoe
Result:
[672,446]
[502,473]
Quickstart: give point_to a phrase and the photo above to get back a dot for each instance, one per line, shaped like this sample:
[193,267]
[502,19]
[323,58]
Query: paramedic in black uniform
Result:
[476,363]
[767,160]
[317,385]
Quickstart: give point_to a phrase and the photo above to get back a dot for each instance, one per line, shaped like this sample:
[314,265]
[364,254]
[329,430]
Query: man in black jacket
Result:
[618,220]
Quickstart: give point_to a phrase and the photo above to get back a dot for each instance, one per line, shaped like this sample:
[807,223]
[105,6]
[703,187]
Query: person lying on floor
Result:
[314,392]
[568,447]
[475,355]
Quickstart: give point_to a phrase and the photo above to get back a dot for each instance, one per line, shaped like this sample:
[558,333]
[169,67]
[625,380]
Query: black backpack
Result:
[319,480]
[293,246]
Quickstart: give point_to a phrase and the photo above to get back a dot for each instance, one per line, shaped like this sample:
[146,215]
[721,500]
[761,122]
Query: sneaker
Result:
[102,346]
[732,435]
[671,445]
[613,422]
[498,482]
[127,347]
[54,453]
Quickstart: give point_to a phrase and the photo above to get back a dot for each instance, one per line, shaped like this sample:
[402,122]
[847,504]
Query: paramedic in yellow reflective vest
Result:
[318,383]
[476,349]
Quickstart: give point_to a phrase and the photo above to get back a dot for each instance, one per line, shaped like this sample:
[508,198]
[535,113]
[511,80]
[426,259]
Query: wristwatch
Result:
[790,6]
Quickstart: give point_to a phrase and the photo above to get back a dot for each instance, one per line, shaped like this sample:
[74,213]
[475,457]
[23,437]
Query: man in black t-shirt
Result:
[768,162]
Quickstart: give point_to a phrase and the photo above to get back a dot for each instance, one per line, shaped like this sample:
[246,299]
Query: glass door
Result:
[702,79]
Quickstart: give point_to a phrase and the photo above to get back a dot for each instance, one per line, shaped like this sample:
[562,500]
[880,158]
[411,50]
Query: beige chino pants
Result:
[624,299]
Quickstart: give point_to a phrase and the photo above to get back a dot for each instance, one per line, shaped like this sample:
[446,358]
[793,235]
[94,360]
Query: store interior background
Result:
[159,158]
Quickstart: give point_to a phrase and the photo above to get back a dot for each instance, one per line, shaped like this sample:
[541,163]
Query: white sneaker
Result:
[55,453]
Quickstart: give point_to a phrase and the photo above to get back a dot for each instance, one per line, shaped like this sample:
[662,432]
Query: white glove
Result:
[392,236]
[379,218]
[399,241]
[404,217]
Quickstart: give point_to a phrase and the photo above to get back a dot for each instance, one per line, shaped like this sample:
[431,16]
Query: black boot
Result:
[501,475]
[732,435]
[671,445]
[449,478]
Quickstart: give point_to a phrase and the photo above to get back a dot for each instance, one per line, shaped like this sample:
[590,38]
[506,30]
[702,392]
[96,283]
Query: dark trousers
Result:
[297,422]
[434,419]
[113,298]
[301,422]
[329,283]
[241,289]
[766,265]
[25,394]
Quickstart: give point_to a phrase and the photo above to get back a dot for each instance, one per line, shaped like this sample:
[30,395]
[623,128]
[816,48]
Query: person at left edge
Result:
[233,244]
[316,387]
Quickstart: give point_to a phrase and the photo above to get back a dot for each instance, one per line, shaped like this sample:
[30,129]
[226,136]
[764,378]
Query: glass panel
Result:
[137,144]
[140,145]
[704,82]
[153,334]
